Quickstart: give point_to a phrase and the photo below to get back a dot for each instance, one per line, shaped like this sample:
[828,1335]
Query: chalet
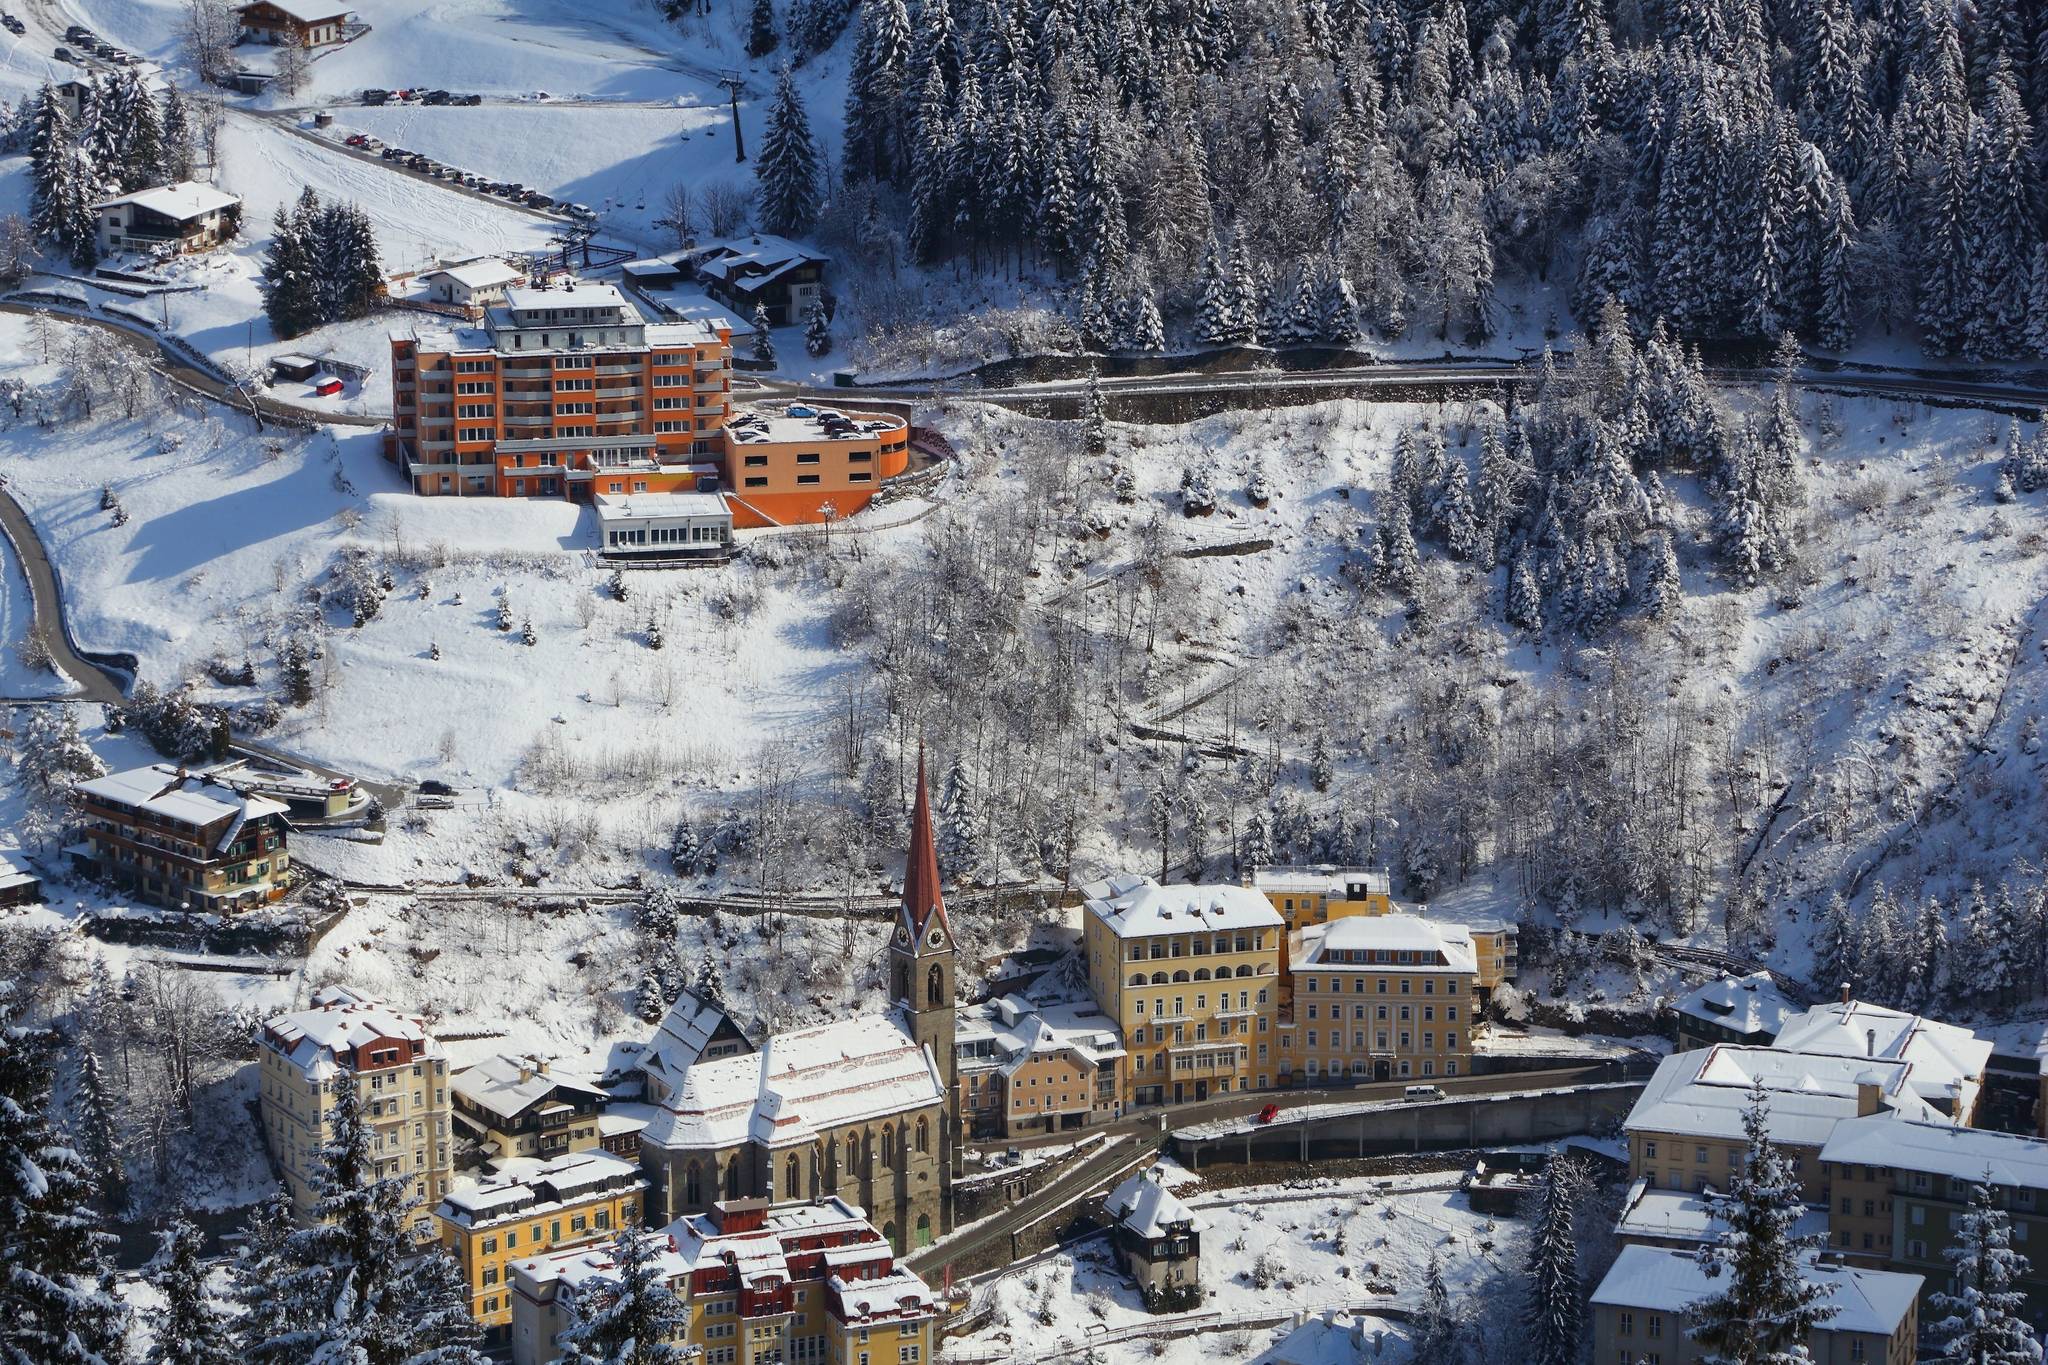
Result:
[18,885]
[1158,1239]
[514,1107]
[1745,1010]
[761,270]
[294,23]
[471,285]
[179,218]
[182,839]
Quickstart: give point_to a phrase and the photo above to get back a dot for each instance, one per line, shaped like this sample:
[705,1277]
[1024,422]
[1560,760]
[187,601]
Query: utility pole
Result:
[732,82]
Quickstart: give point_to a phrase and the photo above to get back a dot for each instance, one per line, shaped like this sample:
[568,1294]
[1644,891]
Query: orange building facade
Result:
[569,392]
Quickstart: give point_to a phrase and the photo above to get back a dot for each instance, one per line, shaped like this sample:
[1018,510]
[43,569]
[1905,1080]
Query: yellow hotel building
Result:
[572,1200]
[1191,975]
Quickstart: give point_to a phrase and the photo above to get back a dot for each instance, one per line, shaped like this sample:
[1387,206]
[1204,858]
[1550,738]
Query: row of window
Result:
[1196,946]
[1380,1012]
[1380,1040]
[803,480]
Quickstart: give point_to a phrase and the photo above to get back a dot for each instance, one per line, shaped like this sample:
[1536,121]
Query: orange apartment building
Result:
[567,391]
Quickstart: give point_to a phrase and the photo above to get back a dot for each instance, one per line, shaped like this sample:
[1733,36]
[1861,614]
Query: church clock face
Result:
[902,937]
[935,939]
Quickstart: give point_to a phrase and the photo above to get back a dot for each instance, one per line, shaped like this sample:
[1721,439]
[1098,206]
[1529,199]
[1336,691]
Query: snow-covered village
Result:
[995,682]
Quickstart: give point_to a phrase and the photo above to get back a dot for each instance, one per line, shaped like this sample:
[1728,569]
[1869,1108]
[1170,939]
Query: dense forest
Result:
[1313,171]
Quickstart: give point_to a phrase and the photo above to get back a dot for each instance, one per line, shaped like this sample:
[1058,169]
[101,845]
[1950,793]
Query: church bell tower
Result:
[921,954]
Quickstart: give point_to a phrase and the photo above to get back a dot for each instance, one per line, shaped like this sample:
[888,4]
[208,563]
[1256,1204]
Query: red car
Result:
[1269,1113]
[358,139]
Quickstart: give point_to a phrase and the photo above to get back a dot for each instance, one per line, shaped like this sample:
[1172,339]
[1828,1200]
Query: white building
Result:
[400,1075]
[1642,1311]
[1948,1061]
[693,1030]
[472,285]
[665,525]
[1749,1010]
[186,216]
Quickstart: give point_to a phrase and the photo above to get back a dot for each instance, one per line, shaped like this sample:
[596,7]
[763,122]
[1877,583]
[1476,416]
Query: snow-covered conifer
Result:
[788,165]
[1983,1311]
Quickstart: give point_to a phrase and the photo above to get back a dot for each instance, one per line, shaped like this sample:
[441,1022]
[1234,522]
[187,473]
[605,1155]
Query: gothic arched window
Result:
[935,987]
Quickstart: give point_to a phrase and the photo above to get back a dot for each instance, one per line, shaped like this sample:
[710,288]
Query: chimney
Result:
[1868,1087]
[525,1070]
[1845,992]
[1870,1042]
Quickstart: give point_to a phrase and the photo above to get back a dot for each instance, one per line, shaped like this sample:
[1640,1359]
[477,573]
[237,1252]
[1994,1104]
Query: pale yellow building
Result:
[810,1283]
[572,1200]
[400,1075]
[1308,896]
[1191,976]
[1377,997]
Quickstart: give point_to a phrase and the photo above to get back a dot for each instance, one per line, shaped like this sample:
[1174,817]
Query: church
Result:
[865,1109]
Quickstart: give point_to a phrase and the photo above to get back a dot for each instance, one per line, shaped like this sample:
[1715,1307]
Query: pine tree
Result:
[1524,606]
[355,1284]
[629,1316]
[1983,1308]
[817,330]
[290,284]
[99,1137]
[1436,1322]
[788,166]
[1257,850]
[762,33]
[875,85]
[1556,1309]
[1767,1306]
[187,1326]
[176,122]
[54,1307]
[764,335]
[959,823]
[1217,321]
[1094,416]
[1397,567]
[1661,595]
[1835,948]
[710,982]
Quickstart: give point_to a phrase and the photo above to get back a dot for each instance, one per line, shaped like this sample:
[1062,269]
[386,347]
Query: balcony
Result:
[437,447]
[602,370]
[620,391]
[541,420]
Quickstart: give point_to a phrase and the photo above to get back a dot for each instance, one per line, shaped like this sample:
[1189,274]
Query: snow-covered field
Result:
[1268,1249]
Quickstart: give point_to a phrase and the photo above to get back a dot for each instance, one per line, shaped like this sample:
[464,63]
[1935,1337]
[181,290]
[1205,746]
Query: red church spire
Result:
[921,895]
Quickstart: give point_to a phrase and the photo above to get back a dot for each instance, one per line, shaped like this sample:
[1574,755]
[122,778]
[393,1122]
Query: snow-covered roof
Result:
[698,332]
[760,1254]
[181,202]
[1682,1215]
[1021,1031]
[1751,1005]
[899,1293]
[509,1086]
[1322,879]
[1942,1149]
[478,274]
[13,874]
[1143,1204]
[573,1268]
[755,260]
[340,1021]
[798,1085]
[1660,1279]
[1944,1056]
[568,1179]
[615,507]
[1703,1093]
[680,1039]
[305,11]
[173,793]
[810,424]
[1315,945]
[581,294]
[1132,905]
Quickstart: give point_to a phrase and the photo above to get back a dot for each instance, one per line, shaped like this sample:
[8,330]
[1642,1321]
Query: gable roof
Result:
[182,202]
[1703,1093]
[478,274]
[191,798]
[1977,1154]
[680,1039]
[340,1021]
[509,1086]
[1144,1205]
[1751,1005]
[798,1085]
[305,11]
[1946,1058]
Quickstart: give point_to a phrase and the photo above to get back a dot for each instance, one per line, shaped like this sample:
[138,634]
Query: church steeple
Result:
[923,898]
[921,957]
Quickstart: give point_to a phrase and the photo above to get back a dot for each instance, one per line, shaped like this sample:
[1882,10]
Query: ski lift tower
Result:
[732,82]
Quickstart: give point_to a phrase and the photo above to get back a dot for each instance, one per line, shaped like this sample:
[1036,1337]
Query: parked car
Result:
[1423,1094]
[376,96]
[1269,1113]
[582,211]
[535,199]
[13,25]
[77,33]
[355,140]
[392,153]
[471,101]
[63,54]
[435,97]
[434,786]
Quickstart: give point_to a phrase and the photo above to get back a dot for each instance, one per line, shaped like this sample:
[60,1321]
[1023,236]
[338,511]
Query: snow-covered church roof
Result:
[799,1086]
